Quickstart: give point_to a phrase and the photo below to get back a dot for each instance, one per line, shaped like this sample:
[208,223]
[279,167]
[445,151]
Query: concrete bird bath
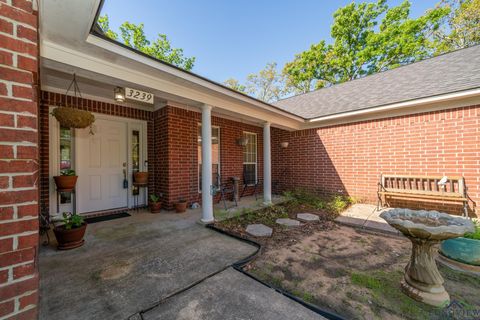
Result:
[425,229]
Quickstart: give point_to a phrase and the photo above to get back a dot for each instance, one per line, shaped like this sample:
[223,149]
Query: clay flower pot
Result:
[140,177]
[69,239]
[181,206]
[155,207]
[65,183]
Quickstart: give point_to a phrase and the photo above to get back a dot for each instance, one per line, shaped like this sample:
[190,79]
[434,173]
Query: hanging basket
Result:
[73,118]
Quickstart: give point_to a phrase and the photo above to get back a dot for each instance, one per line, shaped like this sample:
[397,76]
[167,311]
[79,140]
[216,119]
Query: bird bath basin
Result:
[425,229]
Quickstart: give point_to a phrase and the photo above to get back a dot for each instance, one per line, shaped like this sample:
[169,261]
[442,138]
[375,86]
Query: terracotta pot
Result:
[69,239]
[65,183]
[181,207]
[140,177]
[155,207]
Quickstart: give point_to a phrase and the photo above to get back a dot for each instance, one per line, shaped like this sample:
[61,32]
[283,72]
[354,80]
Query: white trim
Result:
[107,45]
[54,148]
[144,76]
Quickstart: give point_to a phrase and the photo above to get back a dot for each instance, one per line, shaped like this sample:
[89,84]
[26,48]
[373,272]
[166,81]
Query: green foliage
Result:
[72,220]
[384,293]
[461,27]
[133,35]
[476,234]
[333,204]
[235,85]
[266,85]
[367,38]
[67,172]
[154,198]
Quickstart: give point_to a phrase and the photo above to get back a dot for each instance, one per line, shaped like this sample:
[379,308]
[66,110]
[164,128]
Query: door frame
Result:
[54,156]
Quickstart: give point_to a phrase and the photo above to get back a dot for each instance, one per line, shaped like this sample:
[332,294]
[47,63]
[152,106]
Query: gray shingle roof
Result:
[447,73]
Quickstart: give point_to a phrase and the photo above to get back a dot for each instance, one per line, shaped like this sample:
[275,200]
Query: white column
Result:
[267,165]
[207,199]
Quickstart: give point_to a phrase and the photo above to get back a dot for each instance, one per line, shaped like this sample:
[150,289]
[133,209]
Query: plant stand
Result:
[140,186]
[73,199]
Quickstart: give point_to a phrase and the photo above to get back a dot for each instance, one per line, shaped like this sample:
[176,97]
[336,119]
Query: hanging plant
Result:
[71,117]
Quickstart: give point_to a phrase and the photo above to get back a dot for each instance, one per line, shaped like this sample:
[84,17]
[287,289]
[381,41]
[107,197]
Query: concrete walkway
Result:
[129,265]
[230,295]
[365,216]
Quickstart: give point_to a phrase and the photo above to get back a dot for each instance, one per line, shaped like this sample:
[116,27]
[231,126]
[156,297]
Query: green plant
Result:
[68,172]
[72,220]
[154,198]
[475,234]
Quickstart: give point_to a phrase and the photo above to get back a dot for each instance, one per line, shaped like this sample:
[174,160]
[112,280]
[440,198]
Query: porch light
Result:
[284,144]
[119,94]
[243,141]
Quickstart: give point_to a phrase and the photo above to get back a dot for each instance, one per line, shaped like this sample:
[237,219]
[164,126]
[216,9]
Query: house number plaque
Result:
[137,95]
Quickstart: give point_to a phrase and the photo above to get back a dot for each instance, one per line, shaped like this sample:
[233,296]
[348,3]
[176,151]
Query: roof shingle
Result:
[447,73]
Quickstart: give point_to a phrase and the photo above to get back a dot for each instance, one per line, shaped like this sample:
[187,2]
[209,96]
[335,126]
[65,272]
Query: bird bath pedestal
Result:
[425,229]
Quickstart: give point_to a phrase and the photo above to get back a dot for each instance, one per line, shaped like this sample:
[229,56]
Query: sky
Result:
[232,38]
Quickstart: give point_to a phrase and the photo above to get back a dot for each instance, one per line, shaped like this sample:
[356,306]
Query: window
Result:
[135,157]
[250,158]
[215,156]
[65,158]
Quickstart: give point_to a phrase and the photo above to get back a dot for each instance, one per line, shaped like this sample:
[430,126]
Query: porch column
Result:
[267,163]
[207,199]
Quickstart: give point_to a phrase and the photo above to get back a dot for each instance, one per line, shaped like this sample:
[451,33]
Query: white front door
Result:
[101,159]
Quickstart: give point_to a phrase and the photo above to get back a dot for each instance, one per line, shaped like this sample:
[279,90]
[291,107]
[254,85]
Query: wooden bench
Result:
[422,188]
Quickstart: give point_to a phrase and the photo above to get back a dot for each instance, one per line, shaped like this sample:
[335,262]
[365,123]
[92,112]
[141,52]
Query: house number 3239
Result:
[137,95]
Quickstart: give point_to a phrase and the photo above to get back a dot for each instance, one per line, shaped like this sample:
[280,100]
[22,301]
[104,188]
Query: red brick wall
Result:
[18,160]
[56,99]
[179,177]
[349,158]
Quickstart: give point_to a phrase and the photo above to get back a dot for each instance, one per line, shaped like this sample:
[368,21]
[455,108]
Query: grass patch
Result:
[476,234]
[385,293]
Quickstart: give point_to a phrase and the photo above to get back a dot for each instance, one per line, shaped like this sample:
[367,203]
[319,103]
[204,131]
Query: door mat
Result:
[106,218]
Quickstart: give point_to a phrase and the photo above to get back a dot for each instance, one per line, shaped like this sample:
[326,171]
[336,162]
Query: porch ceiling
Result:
[69,47]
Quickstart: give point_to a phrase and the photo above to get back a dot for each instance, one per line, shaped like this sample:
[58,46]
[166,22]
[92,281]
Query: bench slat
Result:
[413,195]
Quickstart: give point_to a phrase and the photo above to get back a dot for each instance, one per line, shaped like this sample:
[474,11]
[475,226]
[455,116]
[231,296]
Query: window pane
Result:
[215,155]
[250,158]
[135,157]
[65,158]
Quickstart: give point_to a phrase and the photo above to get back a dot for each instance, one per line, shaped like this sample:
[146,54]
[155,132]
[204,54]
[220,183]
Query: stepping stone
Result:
[288,222]
[259,230]
[307,217]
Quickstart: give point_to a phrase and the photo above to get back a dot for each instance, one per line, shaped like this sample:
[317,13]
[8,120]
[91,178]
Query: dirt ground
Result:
[350,272]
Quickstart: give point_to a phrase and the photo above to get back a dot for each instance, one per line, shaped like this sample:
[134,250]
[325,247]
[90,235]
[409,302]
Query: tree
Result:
[235,85]
[462,26]
[267,85]
[367,38]
[133,35]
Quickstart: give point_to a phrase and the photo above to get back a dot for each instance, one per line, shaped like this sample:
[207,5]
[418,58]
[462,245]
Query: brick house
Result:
[421,119]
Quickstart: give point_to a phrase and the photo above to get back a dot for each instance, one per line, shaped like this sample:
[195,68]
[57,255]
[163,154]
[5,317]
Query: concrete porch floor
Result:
[128,265]
[366,216]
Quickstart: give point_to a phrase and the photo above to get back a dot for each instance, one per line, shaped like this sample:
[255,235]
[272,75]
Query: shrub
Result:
[476,234]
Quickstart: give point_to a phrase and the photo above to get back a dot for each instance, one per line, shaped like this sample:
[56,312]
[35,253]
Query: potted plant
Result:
[155,204]
[181,206]
[140,177]
[465,249]
[66,180]
[70,234]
